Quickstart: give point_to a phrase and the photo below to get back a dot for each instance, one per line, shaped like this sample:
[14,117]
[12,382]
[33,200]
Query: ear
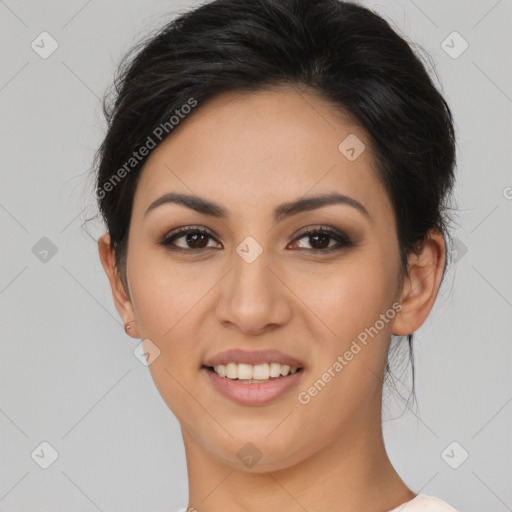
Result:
[121,298]
[421,285]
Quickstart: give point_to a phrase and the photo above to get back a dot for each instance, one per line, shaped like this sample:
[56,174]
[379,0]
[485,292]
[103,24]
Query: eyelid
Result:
[313,229]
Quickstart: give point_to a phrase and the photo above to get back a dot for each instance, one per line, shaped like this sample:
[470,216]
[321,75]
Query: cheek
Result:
[350,298]
[350,301]
[168,304]
[164,292]
[351,354]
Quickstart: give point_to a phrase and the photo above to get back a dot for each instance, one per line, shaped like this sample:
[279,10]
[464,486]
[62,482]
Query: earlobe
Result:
[421,285]
[122,301]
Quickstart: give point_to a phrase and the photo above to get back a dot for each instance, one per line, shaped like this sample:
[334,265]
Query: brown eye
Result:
[196,240]
[320,239]
[193,239]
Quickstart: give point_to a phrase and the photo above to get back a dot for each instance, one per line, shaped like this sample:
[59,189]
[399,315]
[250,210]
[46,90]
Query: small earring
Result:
[128,326]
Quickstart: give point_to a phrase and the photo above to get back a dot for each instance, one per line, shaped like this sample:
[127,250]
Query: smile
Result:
[253,385]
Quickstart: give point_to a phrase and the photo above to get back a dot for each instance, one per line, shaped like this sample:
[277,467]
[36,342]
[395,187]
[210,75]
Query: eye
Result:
[320,239]
[194,239]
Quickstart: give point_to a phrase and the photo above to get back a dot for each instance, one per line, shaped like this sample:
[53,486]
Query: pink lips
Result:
[253,393]
[253,357]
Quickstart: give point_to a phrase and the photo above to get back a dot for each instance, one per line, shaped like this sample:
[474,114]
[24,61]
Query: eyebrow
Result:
[207,207]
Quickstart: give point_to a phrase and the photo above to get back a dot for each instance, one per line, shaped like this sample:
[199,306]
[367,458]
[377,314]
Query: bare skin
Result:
[250,153]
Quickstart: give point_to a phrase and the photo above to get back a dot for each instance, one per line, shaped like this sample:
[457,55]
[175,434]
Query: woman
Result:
[274,183]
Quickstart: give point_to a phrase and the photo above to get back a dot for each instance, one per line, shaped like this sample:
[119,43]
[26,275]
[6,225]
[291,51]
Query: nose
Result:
[253,298]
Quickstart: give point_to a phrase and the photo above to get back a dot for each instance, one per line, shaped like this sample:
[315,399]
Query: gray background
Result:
[68,375]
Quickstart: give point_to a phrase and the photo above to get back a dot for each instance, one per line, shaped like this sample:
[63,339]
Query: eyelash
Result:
[343,240]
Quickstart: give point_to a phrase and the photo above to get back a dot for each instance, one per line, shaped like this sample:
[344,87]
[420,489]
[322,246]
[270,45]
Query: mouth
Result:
[254,377]
[239,385]
[253,374]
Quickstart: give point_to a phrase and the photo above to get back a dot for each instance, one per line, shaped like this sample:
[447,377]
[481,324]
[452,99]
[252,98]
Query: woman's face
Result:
[256,281]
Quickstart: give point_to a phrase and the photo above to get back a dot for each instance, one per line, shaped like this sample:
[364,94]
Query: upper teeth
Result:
[258,371]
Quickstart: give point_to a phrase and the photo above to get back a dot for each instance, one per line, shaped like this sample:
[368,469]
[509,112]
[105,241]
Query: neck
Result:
[351,474]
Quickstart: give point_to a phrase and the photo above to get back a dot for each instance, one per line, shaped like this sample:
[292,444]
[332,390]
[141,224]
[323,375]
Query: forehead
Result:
[250,150]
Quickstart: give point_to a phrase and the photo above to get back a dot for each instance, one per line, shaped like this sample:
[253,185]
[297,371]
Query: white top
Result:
[420,503]
[424,503]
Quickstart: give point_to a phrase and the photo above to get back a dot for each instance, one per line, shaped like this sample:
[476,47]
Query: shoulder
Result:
[424,503]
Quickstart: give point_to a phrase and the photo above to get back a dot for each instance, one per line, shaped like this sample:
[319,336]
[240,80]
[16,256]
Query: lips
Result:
[252,357]
[253,394]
